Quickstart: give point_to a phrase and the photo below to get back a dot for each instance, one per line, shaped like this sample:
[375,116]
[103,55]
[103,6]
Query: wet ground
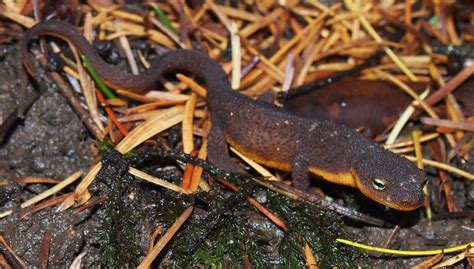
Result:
[50,142]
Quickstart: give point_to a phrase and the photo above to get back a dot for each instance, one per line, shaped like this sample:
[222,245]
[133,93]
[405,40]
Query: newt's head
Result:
[390,179]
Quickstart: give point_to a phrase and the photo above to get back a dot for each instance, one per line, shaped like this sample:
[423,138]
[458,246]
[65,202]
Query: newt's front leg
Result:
[217,149]
[300,172]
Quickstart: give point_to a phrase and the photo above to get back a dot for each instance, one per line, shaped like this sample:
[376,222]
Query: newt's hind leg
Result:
[300,172]
[217,149]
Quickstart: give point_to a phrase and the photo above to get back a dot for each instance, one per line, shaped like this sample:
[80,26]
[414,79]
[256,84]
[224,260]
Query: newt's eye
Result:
[378,184]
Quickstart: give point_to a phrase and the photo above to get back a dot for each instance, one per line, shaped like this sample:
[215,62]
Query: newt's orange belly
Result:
[342,178]
[267,159]
[281,163]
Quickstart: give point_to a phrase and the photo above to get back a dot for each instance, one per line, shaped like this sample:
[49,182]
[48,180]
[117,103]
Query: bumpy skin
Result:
[265,133]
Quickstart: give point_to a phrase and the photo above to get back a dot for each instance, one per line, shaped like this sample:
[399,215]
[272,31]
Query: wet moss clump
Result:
[309,224]
[117,234]
[225,231]
[222,235]
[229,231]
[117,237]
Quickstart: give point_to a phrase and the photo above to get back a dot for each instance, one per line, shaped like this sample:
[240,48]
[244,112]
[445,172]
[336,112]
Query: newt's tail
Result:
[181,60]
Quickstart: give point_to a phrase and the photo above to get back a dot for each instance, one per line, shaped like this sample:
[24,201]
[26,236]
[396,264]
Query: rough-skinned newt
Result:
[261,131]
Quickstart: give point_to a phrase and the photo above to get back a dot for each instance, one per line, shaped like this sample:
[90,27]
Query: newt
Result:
[263,132]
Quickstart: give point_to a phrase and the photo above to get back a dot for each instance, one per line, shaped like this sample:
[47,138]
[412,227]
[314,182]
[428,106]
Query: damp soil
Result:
[52,142]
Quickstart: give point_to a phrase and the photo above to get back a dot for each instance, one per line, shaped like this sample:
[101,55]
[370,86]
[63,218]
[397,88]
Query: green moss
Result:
[117,234]
[227,235]
[224,230]
[210,258]
[318,228]
[117,237]
[222,237]
[105,145]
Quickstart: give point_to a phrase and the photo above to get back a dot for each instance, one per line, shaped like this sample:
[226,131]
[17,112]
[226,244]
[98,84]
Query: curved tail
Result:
[181,60]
